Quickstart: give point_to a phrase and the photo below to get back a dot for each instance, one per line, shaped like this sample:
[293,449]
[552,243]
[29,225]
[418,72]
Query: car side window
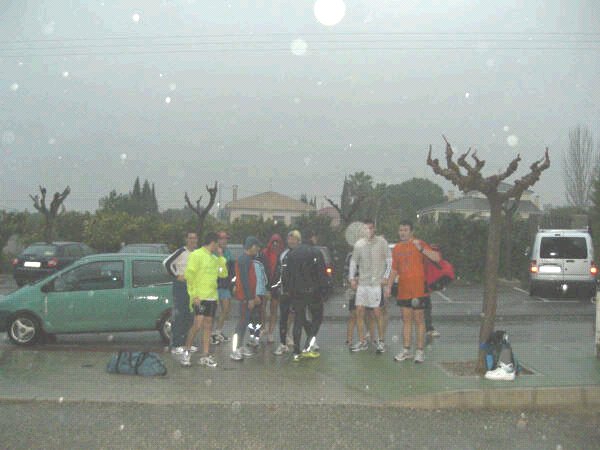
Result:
[94,276]
[150,273]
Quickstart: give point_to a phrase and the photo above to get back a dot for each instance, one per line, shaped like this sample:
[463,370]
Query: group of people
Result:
[294,281]
[373,270]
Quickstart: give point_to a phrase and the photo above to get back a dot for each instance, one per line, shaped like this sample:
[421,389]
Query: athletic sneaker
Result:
[315,347]
[281,349]
[296,357]
[177,350]
[310,354]
[186,359]
[214,339]
[433,333]
[208,361]
[193,349]
[236,355]
[223,337]
[379,346]
[246,351]
[504,372]
[359,346]
[419,356]
[403,355]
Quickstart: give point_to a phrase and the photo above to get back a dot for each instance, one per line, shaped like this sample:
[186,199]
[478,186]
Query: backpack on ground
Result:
[498,349]
[146,364]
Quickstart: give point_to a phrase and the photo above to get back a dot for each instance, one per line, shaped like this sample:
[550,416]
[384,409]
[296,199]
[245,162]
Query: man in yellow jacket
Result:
[204,266]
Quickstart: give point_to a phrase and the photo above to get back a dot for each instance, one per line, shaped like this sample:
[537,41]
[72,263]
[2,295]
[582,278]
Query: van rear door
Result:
[564,256]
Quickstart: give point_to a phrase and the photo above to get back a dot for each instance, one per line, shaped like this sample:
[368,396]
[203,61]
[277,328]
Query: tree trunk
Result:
[490,288]
[48,229]
[508,272]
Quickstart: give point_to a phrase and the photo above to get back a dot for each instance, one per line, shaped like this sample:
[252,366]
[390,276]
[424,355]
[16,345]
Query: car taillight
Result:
[533,268]
[53,262]
[594,269]
[15,261]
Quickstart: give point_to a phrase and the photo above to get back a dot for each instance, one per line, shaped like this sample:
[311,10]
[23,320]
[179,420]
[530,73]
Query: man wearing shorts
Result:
[371,254]
[408,264]
[203,269]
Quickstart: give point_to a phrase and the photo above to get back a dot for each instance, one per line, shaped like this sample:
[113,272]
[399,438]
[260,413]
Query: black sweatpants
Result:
[301,303]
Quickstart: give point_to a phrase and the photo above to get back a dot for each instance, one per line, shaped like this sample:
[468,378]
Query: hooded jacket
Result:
[271,257]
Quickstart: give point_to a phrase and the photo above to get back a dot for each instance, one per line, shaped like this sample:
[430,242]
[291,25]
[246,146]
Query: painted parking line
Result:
[541,299]
[448,299]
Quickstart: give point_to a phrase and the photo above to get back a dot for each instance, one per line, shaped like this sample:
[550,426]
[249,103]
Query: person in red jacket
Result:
[270,257]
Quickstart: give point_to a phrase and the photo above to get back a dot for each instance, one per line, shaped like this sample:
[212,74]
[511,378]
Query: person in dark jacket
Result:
[181,317]
[224,290]
[305,279]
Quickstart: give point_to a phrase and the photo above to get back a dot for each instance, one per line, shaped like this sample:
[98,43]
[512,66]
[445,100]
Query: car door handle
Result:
[144,297]
[570,260]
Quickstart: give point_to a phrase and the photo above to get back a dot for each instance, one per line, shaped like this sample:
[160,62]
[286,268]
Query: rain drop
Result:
[506,128]
[367,387]
[329,12]
[512,140]
[123,156]
[135,17]
[14,87]
[110,338]
[168,100]
[122,427]
[51,141]
[65,74]
[298,47]
[172,86]
[467,94]
[60,399]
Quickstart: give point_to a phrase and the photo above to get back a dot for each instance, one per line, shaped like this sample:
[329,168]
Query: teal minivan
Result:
[98,293]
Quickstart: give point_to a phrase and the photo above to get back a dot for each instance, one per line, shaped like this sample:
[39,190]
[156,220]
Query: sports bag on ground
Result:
[146,364]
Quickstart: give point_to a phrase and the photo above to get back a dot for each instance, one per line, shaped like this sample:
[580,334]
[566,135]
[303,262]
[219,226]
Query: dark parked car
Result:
[41,259]
[155,249]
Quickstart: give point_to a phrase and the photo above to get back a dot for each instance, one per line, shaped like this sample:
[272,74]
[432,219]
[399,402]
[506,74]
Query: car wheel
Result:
[164,327]
[24,329]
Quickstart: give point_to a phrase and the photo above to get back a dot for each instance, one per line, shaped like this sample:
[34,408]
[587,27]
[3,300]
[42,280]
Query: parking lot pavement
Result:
[561,354]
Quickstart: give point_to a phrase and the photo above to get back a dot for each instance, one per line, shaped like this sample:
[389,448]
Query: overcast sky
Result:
[283,95]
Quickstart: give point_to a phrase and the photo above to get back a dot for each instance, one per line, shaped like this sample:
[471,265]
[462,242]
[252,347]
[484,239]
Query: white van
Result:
[562,264]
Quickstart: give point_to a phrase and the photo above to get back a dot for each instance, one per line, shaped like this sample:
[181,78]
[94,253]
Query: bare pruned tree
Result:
[467,177]
[200,211]
[39,203]
[580,164]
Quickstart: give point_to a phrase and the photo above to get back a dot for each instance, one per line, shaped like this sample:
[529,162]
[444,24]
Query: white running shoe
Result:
[419,356]
[236,355]
[359,346]
[186,359]
[504,372]
[193,349]
[281,349]
[380,346]
[246,351]
[403,355]
[208,361]
[177,350]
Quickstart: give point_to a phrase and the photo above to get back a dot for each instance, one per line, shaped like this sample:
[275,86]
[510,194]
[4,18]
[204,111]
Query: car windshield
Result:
[563,247]
[40,250]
